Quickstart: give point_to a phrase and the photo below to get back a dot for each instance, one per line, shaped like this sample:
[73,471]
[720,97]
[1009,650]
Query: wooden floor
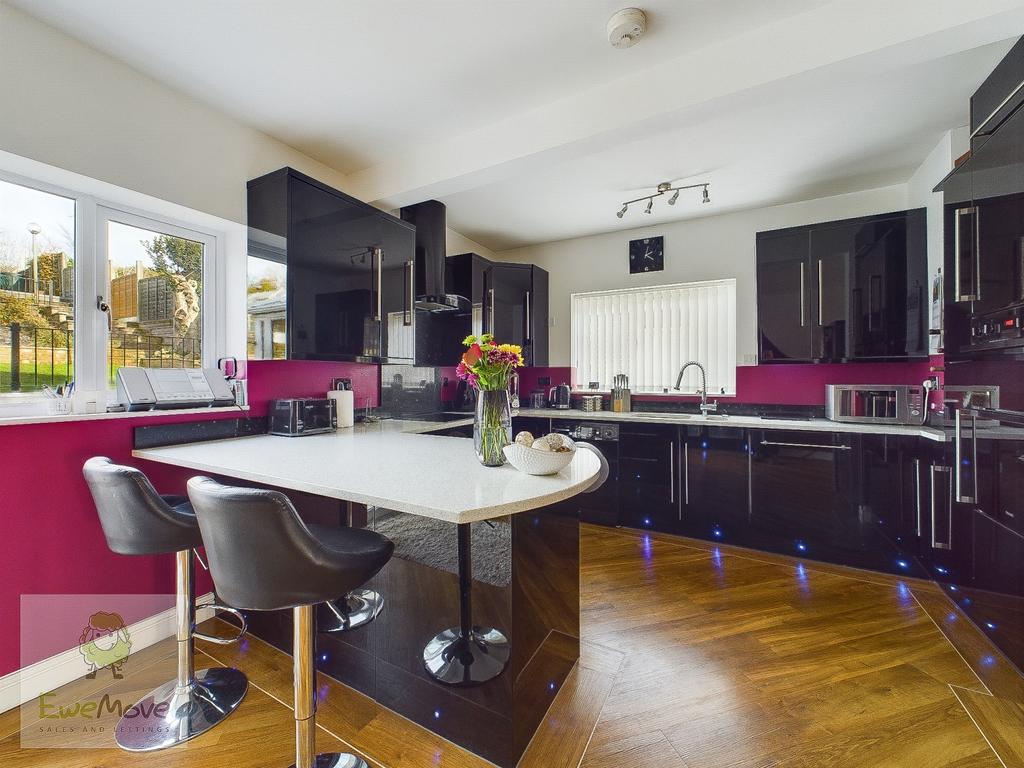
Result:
[694,656]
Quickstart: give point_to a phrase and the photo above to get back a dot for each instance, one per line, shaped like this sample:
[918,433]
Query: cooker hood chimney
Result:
[430,220]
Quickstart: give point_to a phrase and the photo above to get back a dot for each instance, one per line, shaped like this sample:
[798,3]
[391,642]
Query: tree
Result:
[21,310]
[263,285]
[176,256]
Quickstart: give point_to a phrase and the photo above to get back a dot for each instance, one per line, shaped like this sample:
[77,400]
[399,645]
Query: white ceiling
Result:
[521,117]
[351,82]
[817,135]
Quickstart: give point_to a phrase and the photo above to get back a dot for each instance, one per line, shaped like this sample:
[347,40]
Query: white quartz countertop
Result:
[388,465]
[738,422]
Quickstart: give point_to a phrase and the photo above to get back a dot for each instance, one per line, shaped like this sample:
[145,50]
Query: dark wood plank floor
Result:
[694,656]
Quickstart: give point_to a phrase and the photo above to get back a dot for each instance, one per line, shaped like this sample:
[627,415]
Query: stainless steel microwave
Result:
[875,403]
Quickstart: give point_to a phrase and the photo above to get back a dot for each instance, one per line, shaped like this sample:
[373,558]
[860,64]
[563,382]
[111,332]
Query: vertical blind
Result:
[648,333]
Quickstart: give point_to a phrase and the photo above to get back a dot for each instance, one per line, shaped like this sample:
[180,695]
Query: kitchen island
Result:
[430,495]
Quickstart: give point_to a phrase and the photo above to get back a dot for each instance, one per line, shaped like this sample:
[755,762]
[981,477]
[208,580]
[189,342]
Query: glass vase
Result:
[492,426]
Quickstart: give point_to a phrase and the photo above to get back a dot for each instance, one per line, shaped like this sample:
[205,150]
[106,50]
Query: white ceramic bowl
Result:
[534,462]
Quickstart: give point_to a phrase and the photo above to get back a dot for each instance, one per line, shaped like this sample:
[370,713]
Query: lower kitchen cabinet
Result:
[648,478]
[995,601]
[714,471]
[807,500]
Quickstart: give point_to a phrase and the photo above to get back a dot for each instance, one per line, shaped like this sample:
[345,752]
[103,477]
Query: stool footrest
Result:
[242,629]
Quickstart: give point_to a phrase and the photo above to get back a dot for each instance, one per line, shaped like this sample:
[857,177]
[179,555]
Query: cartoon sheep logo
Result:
[105,642]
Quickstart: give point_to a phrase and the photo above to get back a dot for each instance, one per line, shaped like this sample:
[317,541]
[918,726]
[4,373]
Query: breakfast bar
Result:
[481,609]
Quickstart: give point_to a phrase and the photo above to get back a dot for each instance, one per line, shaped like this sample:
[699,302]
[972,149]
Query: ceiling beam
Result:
[868,35]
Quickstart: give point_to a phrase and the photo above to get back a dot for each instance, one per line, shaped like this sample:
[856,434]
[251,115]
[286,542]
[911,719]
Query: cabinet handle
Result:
[377,258]
[948,544]
[917,494]
[809,445]
[411,294]
[672,471]
[803,297]
[821,300]
[686,472]
[974,293]
[529,319]
[490,310]
[958,457]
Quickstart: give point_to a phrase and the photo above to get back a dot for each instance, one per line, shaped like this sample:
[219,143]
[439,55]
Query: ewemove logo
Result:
[86,712]
[105,644]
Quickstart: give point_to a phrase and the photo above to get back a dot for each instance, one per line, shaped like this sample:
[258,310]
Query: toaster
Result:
[297,416]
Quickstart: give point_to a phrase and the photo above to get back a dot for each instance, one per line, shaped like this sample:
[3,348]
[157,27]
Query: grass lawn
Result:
[35,378]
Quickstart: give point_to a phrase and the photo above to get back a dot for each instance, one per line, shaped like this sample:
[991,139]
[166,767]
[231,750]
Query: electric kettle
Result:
[559,397]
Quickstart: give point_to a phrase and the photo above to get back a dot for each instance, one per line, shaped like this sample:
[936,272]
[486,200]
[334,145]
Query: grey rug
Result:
[434,543]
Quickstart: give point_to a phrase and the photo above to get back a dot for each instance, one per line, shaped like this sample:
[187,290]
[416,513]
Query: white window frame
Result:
[92,342]
[691,382]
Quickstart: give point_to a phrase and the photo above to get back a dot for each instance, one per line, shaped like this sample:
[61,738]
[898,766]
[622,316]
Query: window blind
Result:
[648,333]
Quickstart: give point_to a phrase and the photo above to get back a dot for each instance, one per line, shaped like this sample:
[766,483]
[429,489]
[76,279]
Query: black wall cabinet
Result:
[509,300]
[343,302]
[846,290]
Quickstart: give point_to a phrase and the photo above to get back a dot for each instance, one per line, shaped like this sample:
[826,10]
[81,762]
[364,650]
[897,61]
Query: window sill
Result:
[61,418]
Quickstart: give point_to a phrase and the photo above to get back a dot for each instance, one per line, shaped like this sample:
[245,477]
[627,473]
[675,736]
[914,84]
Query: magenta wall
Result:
[53,543]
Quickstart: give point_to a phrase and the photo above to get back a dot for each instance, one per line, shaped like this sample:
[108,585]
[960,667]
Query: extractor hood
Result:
[430,220]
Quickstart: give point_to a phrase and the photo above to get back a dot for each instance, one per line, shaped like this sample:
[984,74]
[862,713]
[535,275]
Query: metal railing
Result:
[33,358]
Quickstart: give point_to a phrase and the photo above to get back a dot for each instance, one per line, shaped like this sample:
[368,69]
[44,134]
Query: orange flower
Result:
[472,355]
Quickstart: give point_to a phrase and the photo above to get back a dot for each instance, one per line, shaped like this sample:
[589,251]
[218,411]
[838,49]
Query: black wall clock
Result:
[647,255]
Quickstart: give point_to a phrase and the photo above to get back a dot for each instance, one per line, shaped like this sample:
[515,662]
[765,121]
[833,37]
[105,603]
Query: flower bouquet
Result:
[487,367]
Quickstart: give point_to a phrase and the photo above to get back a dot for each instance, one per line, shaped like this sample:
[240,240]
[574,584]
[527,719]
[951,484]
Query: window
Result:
[37,290]
[265,306]
[648,333]
[59,251]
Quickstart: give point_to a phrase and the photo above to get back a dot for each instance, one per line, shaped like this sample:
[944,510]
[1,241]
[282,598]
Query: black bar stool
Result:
[356,609]
[136,520]
[264,558]
[468,654]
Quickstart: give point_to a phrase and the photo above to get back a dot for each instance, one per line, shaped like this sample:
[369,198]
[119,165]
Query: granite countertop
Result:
[385,464]
[738,422]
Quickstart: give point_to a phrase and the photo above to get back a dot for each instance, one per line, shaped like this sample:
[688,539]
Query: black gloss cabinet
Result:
[855,289]
[349,292]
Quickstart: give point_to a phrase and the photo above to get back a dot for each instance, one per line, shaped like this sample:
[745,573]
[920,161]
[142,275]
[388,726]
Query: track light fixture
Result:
[663,189]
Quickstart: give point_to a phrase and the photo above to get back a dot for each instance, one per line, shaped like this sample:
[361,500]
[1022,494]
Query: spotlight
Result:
[650,204]
[675,196]
[622,212]
[707,197]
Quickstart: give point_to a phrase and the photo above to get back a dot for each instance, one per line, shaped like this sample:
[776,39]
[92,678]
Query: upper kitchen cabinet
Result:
[844,290]
[783,297]
[517,309]
[330,277]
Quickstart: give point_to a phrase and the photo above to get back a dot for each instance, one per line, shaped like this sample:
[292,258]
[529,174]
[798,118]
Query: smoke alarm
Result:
[626,27]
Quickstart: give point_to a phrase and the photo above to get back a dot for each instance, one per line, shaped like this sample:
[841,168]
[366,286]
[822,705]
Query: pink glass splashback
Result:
[773,384]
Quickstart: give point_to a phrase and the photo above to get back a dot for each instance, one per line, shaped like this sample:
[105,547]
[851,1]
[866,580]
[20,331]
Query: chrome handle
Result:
[958,458]
[529,318]
[948,544]
[686,472]
[377,262]
[821,301]
[974,294]
[490,310]
[809,445]
[803,297]
[410,295]
[917,494]
[671,471]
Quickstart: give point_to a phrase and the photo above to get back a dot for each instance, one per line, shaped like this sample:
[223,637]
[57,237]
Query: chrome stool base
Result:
[455,659]
[335,760]
[357,608]
[171,715]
